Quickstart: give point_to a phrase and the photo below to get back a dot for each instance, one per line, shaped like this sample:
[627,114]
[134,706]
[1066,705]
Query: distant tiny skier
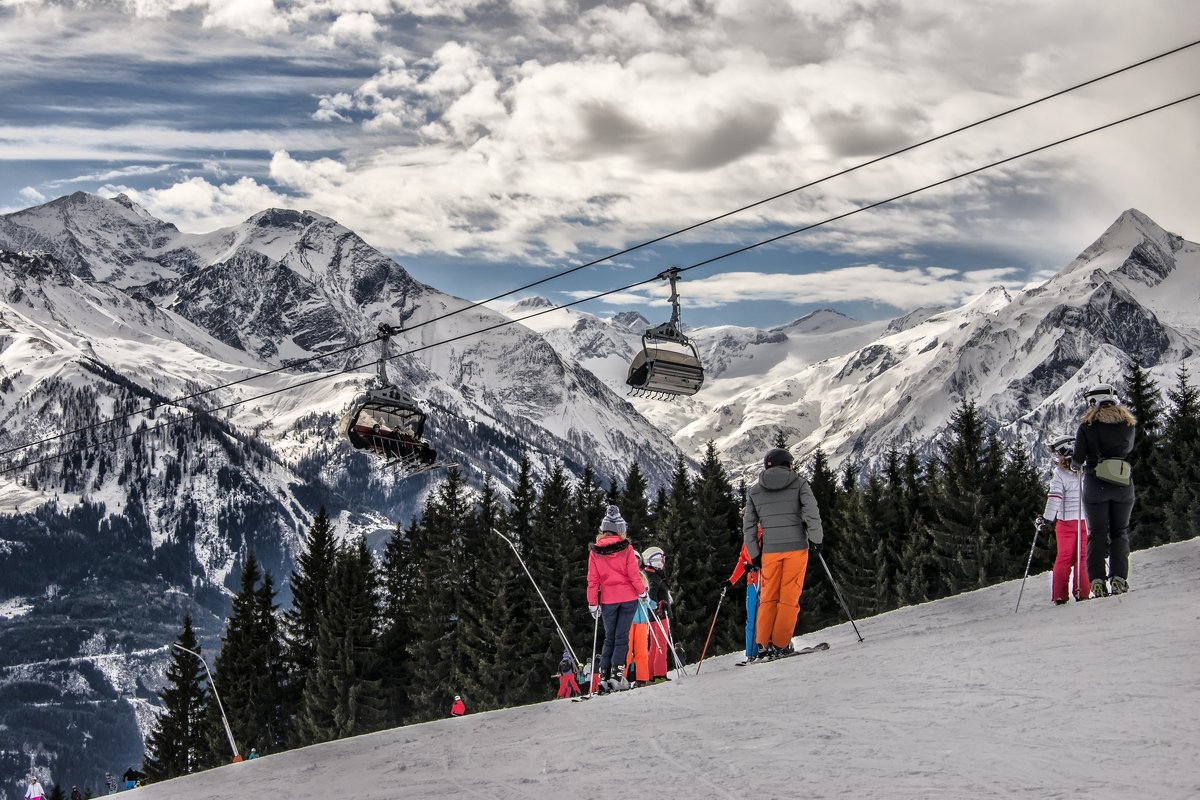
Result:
[1064,517]
[110,782]
[76,794]
[459,708]
[782,503]
[34,791]
[253,754]
[568,685]
[132,776]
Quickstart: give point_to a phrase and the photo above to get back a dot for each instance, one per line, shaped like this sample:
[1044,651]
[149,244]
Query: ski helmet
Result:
[1063,445]
[1101,394]
[777,457]
[650,553]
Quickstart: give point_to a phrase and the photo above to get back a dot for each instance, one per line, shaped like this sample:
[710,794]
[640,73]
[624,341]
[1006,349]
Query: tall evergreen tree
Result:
[558,563]
[635,505]
[1147,524]
[960,529]
[309,583]
[176,745]
[344,694]
[718,534]
[249,670]
[400,579]
[1177,466]
[522,672]
[689,563]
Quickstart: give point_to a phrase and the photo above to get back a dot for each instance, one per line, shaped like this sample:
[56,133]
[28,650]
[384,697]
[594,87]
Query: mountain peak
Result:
[821,320]
[1131,229]
[536,303]
[631,320]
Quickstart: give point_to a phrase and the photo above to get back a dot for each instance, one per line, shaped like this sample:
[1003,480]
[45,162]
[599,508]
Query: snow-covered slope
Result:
[952,699]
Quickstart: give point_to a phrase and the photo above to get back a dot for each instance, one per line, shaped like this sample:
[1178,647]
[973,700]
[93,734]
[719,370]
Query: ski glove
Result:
[815,548]
[1045,525]
[749,567]
[594,611]
[756,562]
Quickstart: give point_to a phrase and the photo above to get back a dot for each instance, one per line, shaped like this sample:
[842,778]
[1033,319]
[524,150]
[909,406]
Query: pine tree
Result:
[520,668]
[559,564]
[309,583]
[400,576]
[344,694]
[635,505]
[916,577]
[1177,467]
[960,527]
[176,744]
[249,670]
[1147,523]
[689,561]
[718,532]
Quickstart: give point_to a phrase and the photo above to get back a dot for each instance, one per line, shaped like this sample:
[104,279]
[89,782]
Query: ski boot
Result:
[1060,601]
[1119,586]
[1099,589]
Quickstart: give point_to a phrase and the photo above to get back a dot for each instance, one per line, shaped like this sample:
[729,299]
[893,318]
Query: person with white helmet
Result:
[782,503]
[34,790]
[1102,447]
[459,708]
[655,561]
[1064,517]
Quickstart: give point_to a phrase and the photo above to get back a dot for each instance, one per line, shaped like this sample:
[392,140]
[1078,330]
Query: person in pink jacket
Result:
[614,586]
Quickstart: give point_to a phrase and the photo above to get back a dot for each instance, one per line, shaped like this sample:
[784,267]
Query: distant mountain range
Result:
[856,388]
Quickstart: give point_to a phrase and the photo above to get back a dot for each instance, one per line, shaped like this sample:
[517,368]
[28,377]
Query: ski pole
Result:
[1036,529]
[670,641]
[595,641]
[838,593]
[708,638]
[561,635]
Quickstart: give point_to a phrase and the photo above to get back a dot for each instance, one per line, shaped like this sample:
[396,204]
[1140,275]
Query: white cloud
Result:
[899,288]
[32,195]
[199,206]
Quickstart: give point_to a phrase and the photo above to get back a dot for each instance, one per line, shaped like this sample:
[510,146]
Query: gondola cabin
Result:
[387,423]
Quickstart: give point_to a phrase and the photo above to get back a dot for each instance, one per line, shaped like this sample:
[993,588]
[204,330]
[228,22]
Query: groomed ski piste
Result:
[959,698]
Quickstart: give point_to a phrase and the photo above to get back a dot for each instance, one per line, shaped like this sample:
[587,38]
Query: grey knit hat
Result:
[612,522]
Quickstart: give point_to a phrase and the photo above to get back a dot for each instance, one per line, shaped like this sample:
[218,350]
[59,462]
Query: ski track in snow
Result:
[953,699]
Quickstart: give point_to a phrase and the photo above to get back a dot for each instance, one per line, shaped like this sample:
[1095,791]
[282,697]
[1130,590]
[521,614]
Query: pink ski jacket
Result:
[613,575]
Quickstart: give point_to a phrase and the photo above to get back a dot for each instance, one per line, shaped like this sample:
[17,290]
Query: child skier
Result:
[660,612]
[568,685]
[1064,515]
[459,708]
[639,639]
[746,567]
[614,586]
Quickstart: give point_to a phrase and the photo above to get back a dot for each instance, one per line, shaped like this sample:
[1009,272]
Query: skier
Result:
[568,685]
[660,605]
[76,794]
[1102,445]
[1064,504]
[614,586]
[459,708]
[637,660]
[110,782]
[746,567]
[34,791]
[782,503]
[132,776]
[253,754]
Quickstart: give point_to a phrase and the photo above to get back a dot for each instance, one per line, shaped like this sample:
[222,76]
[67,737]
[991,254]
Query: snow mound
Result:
[955,698]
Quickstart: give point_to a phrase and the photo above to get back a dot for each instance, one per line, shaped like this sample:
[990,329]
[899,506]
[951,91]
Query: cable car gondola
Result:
[668,365]
[387,422]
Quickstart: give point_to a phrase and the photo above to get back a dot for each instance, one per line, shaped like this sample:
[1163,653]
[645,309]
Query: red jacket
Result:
[613,575]
[740,569]
[458,709]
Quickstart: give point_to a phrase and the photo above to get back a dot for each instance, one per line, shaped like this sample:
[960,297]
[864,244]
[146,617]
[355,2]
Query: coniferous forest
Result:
[373,642]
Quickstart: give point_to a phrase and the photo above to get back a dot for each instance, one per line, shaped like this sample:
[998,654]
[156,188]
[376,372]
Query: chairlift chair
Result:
[668,365]
[387,422]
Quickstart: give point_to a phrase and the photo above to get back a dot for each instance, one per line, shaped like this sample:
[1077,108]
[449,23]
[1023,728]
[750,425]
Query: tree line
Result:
[375,643]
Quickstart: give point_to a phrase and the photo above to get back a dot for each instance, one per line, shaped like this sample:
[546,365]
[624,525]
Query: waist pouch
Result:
[1115,470]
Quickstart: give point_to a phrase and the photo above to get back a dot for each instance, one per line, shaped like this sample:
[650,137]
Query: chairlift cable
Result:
[195,414]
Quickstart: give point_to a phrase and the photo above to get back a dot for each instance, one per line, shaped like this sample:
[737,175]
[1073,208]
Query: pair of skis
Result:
[803,651]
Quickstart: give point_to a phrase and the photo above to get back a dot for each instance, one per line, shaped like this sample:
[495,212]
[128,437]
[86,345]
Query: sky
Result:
[958,698]
[487,145]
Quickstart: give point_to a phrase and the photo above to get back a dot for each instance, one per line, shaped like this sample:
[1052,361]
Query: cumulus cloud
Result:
[32,195]
[198,206]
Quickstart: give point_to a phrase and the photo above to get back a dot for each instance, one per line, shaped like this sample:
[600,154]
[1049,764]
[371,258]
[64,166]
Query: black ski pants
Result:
[617,619]
[1107,508]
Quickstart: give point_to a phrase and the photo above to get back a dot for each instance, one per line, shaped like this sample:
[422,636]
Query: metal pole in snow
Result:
[1036,528]
[561,635]
[224,719]
[838,593]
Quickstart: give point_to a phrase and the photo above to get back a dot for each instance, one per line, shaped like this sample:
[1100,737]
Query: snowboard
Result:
[803,651]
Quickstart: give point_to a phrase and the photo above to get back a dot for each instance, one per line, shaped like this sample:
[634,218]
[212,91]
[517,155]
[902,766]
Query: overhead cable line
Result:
[195,414]
[301,362]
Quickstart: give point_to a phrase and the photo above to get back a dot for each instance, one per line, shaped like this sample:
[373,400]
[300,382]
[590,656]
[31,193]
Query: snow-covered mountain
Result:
[106,311]
[951,699]
[856,389]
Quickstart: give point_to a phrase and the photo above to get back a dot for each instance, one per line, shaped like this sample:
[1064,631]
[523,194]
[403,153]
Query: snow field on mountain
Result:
[952,699]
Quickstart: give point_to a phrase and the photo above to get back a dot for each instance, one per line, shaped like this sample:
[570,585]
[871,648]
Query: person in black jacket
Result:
[1104,440]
